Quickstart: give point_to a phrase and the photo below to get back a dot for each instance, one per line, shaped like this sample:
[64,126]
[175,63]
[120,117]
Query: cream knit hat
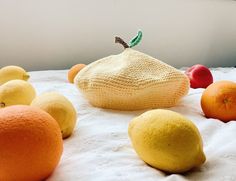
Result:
[131,81]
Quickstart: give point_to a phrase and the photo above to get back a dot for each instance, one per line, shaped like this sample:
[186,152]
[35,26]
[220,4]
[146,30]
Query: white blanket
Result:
[100,148]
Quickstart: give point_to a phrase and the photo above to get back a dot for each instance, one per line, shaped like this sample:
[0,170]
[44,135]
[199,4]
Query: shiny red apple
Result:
[200,76]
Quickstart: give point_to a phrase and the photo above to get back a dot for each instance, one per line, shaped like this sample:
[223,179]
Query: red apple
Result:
[200,76]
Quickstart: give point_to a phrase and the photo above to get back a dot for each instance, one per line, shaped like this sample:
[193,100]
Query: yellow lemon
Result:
[60,108]
[12,72]
[167,140]
[16,92]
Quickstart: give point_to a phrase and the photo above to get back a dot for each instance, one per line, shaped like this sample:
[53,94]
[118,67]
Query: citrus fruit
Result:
[12,72]
[74,71]
[60,108]
[219,101]
[15,92]
[167,141]
[30,142]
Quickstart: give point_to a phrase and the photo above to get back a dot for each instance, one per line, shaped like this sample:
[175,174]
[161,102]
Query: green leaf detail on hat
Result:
[136,39]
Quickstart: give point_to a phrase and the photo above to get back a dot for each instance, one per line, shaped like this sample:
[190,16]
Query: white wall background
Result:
[55,34]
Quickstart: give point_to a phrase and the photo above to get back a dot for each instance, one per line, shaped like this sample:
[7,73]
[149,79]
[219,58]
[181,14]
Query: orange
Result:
[73,71]
[219,101]
[30,144]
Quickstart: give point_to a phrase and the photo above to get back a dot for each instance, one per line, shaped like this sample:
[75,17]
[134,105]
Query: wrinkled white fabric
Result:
[100,150]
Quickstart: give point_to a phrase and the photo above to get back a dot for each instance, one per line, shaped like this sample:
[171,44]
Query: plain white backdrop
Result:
[55,34]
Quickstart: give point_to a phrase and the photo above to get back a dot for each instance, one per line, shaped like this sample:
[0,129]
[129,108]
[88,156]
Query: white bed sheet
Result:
[100,150]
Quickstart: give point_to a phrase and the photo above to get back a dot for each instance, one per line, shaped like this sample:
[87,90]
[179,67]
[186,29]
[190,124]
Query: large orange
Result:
[219,101]
[74,70]
[30,144]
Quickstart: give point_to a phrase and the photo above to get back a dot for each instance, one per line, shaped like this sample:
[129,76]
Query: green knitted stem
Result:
[136,39]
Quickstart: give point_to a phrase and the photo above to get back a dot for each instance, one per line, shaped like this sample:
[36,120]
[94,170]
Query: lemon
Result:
[12,72]
[167,141]
[60,108]
[16,92]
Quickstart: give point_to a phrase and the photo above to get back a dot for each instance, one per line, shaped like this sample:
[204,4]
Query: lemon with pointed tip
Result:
[167,141]
[60,108]
[16,92]
[11,73]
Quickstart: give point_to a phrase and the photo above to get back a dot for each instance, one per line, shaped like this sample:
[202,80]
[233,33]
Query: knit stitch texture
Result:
[131,81]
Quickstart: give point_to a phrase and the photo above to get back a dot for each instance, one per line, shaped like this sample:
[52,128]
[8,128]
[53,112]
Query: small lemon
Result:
[16,92]
[12,72]
[167,140]
[60,108]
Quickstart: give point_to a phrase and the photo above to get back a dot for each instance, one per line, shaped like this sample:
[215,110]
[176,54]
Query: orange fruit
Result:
[219,101]
[73,71]
[30,144]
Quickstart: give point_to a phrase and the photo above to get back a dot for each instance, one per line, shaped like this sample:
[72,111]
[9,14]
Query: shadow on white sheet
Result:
[100,149]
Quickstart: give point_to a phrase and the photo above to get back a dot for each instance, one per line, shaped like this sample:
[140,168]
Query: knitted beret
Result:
[131,81]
